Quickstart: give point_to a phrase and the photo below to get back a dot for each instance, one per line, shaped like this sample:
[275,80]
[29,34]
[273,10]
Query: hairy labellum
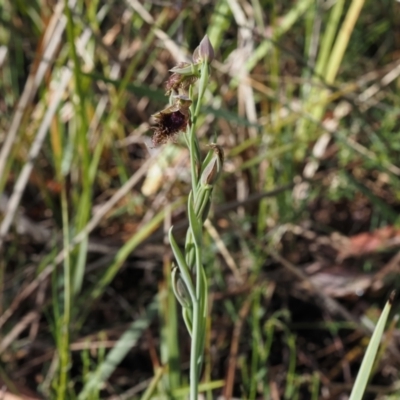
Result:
[168,126]
[172,120]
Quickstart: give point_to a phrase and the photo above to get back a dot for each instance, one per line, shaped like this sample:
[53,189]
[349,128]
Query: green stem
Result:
[199,312]
[194,371]
[198,328]
[191,145]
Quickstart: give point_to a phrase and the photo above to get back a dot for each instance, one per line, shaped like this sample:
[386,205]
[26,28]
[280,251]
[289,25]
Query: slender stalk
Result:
[198,326]
[189,281]
[194,370]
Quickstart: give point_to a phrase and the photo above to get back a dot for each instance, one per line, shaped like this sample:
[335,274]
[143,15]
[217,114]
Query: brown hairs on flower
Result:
[178,81]
[171,120]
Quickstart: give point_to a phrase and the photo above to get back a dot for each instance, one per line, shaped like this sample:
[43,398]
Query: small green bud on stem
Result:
[213,170]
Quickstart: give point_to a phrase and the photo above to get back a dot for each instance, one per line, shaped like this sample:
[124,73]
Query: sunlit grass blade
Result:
[369,358]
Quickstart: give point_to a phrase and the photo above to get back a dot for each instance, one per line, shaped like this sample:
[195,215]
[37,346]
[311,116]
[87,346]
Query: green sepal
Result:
[194,224]
[192,69]
[190,251]
[206,161]
[179,288]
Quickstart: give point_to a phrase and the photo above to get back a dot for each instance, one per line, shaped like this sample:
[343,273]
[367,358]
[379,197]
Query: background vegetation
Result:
[301,246]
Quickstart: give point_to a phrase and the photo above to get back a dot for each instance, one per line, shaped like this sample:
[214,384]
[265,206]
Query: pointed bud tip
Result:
[204,52]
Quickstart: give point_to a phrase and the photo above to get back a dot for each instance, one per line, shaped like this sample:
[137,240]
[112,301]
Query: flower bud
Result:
[180,290]
[213,169]
[204,52]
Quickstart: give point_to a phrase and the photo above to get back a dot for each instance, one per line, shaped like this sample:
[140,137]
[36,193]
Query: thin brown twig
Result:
[21,325]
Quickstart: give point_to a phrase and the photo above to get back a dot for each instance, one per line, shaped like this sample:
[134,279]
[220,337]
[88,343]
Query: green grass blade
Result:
[372,349]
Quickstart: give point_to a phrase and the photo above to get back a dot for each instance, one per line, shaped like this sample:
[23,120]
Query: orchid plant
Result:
[189,281]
